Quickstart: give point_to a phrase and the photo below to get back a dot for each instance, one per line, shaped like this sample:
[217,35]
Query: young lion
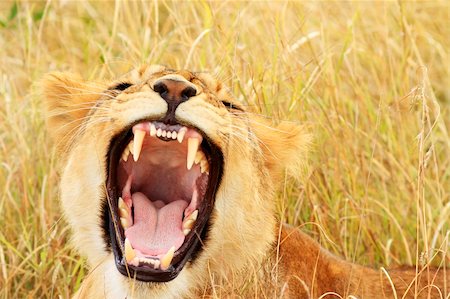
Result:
[168,185]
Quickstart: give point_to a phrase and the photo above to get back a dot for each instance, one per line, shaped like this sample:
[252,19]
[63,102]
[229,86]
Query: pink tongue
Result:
[156,227]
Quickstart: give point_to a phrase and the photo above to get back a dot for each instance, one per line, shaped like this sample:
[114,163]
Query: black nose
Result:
[174,92]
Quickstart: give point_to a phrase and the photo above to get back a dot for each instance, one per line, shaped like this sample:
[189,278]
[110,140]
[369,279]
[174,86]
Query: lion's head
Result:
[166,176]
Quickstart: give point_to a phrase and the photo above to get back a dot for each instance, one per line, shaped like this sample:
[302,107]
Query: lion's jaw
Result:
[242,221]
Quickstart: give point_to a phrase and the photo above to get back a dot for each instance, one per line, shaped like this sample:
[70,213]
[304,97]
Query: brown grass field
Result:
[371,80]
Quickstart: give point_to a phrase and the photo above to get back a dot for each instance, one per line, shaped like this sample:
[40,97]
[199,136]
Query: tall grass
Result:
[371,80]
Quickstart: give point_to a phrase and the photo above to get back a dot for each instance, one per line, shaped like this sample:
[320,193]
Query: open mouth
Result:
[161,184]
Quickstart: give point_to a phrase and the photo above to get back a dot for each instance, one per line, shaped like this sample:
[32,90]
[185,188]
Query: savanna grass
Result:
[370,80]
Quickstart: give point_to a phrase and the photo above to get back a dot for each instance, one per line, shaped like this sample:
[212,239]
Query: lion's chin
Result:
[161,182]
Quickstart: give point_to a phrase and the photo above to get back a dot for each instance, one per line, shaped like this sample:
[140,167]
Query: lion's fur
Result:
[246,252]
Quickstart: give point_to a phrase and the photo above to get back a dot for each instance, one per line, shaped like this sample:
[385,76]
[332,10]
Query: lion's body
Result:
[246,253]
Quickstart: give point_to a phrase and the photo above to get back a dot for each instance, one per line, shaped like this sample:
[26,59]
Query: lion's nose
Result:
[174,91]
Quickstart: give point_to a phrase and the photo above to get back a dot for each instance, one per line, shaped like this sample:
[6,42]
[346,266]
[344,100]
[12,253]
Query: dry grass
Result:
[371,80]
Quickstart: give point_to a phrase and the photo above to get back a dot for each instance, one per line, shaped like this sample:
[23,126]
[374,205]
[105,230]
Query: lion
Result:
[168,184]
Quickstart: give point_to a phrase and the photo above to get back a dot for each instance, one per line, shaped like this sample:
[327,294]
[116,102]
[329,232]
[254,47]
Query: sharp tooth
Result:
[123,212]
[164,133]
[121,203]
[124,223]
[180,135]
[188,224]
[130,146]
[152,130]
[130,254]
[167,259]
[199,156]
[174,135]
[193,144]
[186,231]
[159,132]
[169,134]
[193,215]
[125,154]
[138,140]
[204,166]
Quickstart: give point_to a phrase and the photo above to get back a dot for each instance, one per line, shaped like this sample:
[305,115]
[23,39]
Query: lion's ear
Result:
[284,146]
[67,100]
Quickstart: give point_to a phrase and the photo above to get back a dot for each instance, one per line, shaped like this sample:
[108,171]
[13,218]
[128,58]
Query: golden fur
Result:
[247,254]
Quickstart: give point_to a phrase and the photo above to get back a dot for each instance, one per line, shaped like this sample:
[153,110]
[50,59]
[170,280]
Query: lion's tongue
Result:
[156,227]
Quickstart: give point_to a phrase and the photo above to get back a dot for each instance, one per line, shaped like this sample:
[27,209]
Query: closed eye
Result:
[120,86]
[231,106]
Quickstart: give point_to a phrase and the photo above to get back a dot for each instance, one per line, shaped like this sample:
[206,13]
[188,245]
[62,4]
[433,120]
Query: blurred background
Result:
[370,81]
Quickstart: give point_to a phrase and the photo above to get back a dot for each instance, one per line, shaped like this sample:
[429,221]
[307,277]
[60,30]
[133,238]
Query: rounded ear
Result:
[285,147]
[67,100]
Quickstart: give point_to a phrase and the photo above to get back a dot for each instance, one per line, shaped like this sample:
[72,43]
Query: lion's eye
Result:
[120,86]
[230,106]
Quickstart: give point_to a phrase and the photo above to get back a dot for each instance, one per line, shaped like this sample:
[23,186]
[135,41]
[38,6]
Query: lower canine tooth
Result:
[121,203]
[188,224]
[167,259]
[123,212]
[130,254]
[124,223]
[194,215]
[186,231]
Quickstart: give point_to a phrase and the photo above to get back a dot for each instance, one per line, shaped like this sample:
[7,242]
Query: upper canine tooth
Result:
[130,254]
[152,130]
[167,259]
[186,231]
[180,134]
[159,132]
[138,140]
[193,144]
